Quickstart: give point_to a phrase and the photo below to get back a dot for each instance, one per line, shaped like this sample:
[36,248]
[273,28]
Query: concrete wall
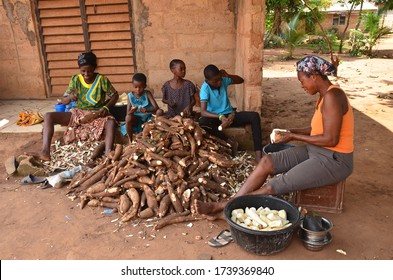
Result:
[20,68]
[226,33]
[249,54]
[198,32]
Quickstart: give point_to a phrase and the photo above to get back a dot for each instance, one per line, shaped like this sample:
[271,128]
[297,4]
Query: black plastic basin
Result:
[262,242]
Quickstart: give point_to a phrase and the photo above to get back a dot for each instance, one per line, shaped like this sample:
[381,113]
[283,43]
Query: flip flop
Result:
[45,185]
[31,179]
[222,239]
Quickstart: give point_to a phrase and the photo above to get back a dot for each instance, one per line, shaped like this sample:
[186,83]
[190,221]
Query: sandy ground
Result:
[45,224]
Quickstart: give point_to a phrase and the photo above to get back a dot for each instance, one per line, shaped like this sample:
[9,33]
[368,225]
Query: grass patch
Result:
[318,48]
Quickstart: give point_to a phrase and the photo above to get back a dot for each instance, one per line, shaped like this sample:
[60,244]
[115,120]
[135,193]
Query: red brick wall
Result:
[328,23]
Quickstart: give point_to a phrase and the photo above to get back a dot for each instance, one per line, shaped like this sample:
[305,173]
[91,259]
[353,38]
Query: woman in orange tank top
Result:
[327,155]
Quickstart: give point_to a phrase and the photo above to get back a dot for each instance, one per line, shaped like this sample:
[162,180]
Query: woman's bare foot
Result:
[207,208]
[258,156]
[213,217]
[40,155]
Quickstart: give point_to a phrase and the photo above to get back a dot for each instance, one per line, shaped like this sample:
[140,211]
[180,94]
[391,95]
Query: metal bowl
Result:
[317,236]
[314,245]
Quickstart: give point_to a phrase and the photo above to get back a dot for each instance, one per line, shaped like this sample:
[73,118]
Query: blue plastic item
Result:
[108,211]
[60,107]
[70,106]
[68,174]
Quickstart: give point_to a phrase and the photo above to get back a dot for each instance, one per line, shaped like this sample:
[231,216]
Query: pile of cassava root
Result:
[66,157]
[171,163]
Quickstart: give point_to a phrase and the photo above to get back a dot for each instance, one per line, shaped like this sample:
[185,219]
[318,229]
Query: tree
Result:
[275,12]
[279,11]
[374,31]
[364,41]
[343,35]
[386,5]
[335,61]
[360,15]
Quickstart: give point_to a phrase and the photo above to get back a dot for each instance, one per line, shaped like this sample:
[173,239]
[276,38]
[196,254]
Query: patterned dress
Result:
[96,97]
[181,96]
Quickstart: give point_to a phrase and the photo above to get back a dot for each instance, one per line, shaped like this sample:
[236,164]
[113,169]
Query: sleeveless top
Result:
[141,102]
[345,143]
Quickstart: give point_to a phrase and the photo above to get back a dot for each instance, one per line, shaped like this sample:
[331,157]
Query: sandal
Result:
[224,238]
[45,185]
[31,179]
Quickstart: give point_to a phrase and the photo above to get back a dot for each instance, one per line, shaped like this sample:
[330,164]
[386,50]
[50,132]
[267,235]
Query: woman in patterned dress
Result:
[90,120]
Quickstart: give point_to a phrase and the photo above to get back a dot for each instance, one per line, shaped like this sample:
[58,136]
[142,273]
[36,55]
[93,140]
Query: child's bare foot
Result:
[40,155]
[234,146]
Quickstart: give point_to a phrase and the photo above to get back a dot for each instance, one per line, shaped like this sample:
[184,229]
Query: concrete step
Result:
[243,136]
[9,110]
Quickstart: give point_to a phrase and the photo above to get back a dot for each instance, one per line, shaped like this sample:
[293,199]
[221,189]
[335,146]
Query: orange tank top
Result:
[345,143]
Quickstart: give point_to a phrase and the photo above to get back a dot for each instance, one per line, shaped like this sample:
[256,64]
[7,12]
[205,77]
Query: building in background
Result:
[337,15]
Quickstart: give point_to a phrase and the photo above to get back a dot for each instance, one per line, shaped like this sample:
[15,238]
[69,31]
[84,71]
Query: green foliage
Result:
[358,43]
[386,5]
[292,35]
[319,43]
[269,18]
[273,41]
[284,11]
[371,22]
[362,42]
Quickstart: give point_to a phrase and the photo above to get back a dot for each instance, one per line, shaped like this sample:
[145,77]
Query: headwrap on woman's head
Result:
[316,65]
[87,58]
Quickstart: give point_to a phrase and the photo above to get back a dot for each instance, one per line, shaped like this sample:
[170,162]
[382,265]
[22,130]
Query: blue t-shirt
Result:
[217,99]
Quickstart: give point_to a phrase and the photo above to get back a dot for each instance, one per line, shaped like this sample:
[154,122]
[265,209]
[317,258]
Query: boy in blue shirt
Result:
[216,109]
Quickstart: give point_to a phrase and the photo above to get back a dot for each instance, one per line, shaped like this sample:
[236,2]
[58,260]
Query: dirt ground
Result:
[45,224]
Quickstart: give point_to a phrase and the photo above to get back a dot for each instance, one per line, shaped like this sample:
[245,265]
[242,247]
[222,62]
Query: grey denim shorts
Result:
[308,166]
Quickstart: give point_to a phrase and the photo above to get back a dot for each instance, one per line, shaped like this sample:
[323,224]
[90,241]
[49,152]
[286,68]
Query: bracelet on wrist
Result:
[106,108]
[220,116]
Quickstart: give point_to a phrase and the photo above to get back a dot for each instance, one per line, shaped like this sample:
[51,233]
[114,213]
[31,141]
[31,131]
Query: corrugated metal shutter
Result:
[106,31]
[110,38]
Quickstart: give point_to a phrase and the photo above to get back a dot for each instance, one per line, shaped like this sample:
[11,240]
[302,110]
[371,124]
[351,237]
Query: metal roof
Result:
[338,7]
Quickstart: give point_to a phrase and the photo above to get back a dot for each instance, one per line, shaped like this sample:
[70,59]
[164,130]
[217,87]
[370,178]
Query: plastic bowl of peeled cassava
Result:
[257,240]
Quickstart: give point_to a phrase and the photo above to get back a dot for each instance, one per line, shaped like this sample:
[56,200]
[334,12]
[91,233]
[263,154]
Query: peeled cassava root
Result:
[262,219]
[172,163]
